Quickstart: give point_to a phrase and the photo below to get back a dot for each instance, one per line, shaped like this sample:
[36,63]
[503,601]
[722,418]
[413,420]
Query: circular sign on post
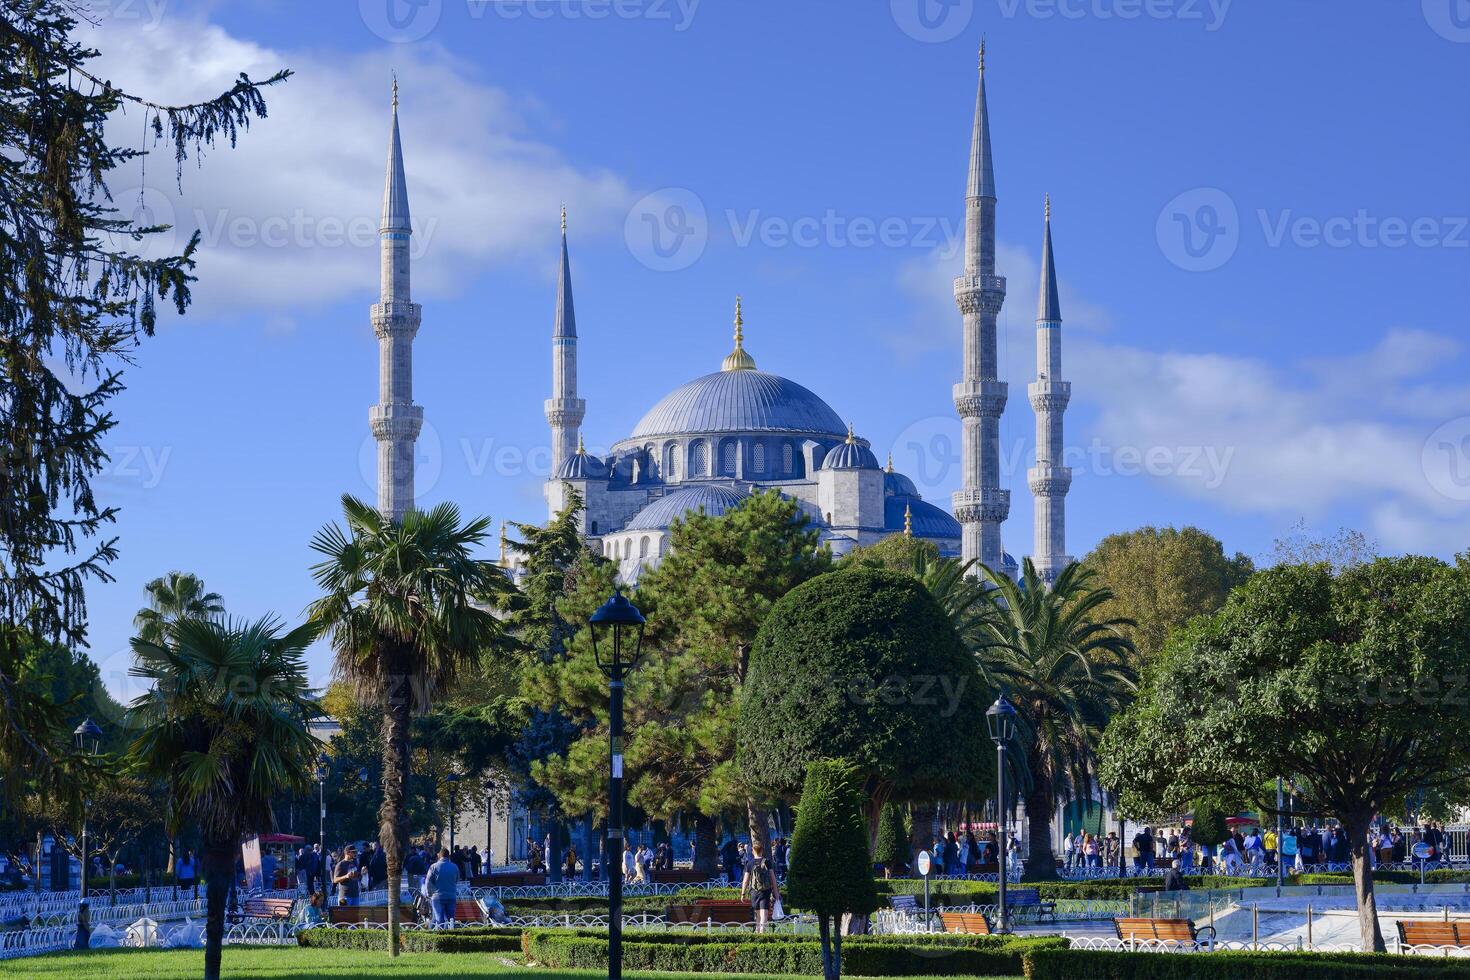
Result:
[923,863]
[1422,851]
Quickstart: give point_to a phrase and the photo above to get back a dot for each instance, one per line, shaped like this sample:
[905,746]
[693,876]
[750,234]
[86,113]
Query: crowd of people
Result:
[964,852]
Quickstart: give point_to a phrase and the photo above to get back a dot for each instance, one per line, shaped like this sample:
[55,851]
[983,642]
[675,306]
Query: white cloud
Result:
[290,215]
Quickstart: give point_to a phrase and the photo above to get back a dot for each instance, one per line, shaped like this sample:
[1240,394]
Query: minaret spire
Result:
[738,359]
[564,410]
[980,397]
[395,420]
[1049,479]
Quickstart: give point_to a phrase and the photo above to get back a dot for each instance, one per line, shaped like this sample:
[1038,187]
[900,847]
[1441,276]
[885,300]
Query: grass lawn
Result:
[265,963]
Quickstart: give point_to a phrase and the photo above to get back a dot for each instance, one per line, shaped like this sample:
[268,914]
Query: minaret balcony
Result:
[980,294]
[1049,481]
[1049,396]
[393,319]
[981,399]
[396,420]
[981,504]
[565,411]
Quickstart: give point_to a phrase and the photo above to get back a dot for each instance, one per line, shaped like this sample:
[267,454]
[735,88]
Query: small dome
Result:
[928,520]
[898,485]
[713,499]
[582,466]
[851,455]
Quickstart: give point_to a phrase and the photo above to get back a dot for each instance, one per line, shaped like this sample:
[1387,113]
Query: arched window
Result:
[787,459]
[643,548]
[699,462]
[758,457]
[671,462]
[728,463]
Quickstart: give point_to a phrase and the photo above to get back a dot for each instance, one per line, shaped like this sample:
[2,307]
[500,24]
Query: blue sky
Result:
[1260,218]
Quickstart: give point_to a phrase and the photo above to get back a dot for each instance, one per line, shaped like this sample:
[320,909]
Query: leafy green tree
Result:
[76,300]
[224,726]
[712,592]
[864,665]
[406,606]
[831,873]
[1349,682]
[1208,827]
[893,841]
[1160,578]
[177,595]
[1065,668]
[897,553]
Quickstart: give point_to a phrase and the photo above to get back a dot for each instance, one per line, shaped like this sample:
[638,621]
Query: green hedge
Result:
[874,956]
[947,892]
[467,940]
[1441,876]
[1090,964]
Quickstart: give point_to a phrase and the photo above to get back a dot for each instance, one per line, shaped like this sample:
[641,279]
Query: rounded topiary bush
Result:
[863,665]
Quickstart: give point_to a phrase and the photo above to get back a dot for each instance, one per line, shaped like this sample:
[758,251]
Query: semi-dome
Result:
[740,401]
[896,484]
[928,520]
[713,499]
[581,465]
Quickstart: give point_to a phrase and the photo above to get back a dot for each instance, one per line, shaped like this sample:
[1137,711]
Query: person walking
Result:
[186,871]
[345,877]
[760,885]
[442,885]
[630,863]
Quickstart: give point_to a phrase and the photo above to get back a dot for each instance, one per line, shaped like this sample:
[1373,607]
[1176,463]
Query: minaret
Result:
[395,420]
[564,410]
[1049,479]
[981,397]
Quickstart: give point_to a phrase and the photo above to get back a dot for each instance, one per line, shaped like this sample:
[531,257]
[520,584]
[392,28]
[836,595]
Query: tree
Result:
[118,811]
[224,726]
[893,841]
[1349,682]
[712,593]
[1208,827]
[864,665]
[1066,671]
[406,606]
[75,302]
[177,595]
[831,874]
[1160,578]
[1344,548]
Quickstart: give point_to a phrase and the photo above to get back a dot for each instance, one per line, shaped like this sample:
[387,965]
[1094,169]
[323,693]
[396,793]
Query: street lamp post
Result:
[624,622]
[453,782]
[322,770]
[1001,720]
[489,826]
[88,739]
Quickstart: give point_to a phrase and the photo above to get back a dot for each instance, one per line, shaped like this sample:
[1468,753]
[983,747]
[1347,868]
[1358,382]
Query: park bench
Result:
[726,911]
[272,909]
[1029,898]
[349,914]
[1178,931]
[1418,932]
[973,923]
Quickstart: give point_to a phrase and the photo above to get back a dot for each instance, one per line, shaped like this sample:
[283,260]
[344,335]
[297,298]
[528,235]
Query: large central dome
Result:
[740,401]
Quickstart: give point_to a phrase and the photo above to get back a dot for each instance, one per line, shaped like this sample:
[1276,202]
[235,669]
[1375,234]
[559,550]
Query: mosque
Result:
[713,441]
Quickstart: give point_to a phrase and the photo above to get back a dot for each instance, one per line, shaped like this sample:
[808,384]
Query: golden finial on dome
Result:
[850,439]
[581,449]
[890,463]
[504,557]
[908,521]
[738,359]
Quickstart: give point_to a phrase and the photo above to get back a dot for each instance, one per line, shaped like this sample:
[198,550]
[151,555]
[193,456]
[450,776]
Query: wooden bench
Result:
[1418,932]
[973,923]
[273,909]
[344,914]
[507,879]
[1179,931]
[725,911]
[1028,898]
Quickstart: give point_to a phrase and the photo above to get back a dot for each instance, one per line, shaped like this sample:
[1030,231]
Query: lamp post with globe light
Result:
[1001,720]
[617,639]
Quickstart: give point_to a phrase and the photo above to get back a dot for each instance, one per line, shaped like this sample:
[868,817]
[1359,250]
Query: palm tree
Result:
[405,605]
[1066,672]
[224,726]
[177,595]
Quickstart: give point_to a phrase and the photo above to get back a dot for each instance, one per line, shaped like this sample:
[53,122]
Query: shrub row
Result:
[468,940]
[1089,964]
[947,892]
[874,956]
[1440,876]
